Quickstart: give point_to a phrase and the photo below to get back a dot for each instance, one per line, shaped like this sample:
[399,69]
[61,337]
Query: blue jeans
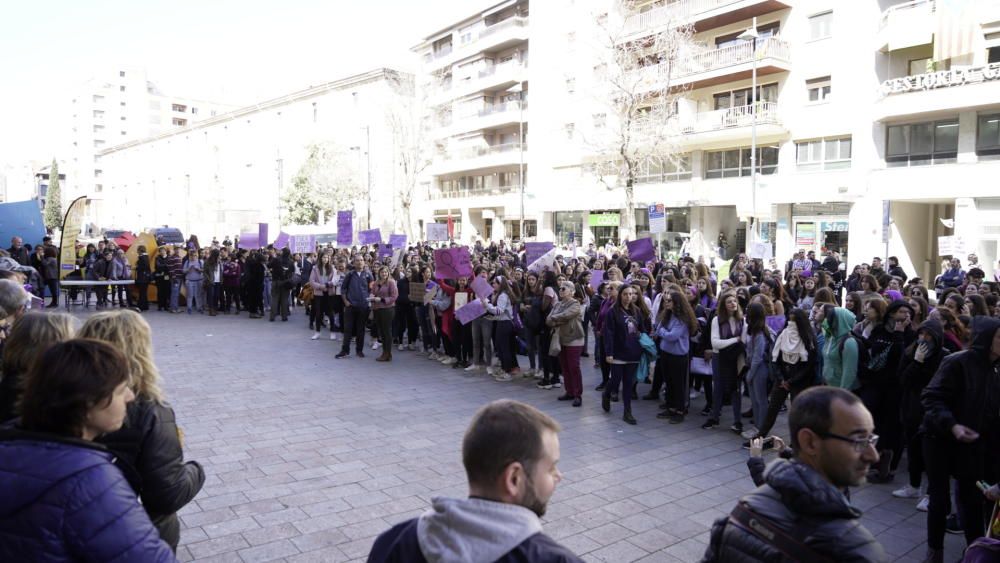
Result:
[175,294]
[194,294]
[267,293]
[757,381]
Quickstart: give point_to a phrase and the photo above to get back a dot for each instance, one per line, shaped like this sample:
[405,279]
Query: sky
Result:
[220,50]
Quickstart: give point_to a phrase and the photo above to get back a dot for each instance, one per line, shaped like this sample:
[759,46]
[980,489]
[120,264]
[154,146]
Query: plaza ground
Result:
[309,458]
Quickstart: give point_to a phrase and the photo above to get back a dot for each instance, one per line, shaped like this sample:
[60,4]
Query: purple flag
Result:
[596,278]
[262,234]
[345,228]
[249,241]
[641,250]
[452,263]
[482,287]
[535,250]
[282,240]
[398,241]
[470,311]
[372,236]
[775,322]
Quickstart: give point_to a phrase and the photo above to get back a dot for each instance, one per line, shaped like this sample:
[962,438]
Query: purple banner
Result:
[282,240]
[345,228]
[398,241]
[535,250]
[641,250]
[482,287]
[470,312]
[262,234]
[596,278]
[249,241]
[452,263]
[384,250]
[372,236]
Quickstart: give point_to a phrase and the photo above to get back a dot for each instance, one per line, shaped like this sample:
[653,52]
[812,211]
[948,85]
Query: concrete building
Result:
[864,142]
[116,108]
[223,174]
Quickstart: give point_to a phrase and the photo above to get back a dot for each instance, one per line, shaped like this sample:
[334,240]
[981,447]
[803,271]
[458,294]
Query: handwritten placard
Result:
[345,228]
[470,312]
[452,263]
[482,287]
[371,236]
[437,232]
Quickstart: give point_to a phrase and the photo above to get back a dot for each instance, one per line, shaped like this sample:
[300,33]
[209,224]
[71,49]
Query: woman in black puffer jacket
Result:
[148,446]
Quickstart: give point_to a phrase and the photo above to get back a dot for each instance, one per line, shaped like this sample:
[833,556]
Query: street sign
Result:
[657,218]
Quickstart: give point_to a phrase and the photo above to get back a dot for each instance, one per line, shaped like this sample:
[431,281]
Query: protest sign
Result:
[461,298]
[303,244]
[545,262]
[437,232]
[282,240]
[371,236]
[384,250]
[641,250]
[398,241]
[262,234]
[345,228]
[248,241]
[535,250]
[482,287]
[596,278]
[397,255]
[452,263]
[430,290]
[470,312]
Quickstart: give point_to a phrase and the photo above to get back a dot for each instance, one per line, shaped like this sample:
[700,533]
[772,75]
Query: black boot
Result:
[606,401]
[627,417]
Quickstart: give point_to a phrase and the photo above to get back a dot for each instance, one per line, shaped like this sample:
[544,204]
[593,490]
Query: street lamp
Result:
[750,35]
[368,170]
[519,89]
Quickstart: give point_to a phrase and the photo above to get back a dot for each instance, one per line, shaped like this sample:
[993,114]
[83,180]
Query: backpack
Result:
[864,354]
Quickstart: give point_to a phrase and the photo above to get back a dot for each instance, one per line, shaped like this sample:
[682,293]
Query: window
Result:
[98,173]
[934,142]
[121,88]
[819,89]
[823,154]
[123,133]
[179,122]
[98,128]
[180,108]
[988,136]
[919,66]
[98,188]
[121,74]
[315,112]
[97,98]
[122,118]
[736,162]
[570,129]
[993,55]
[737,98]
[98,114]
[655,170]
[194,111]
[122,104]
[600,120]
[764,31]
[821,25]
[570,85]
[98,143]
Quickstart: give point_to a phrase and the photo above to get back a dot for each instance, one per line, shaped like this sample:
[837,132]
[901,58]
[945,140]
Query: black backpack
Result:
[864,354]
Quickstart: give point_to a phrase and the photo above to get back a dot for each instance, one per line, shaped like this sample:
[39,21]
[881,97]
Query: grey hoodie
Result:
[473,530]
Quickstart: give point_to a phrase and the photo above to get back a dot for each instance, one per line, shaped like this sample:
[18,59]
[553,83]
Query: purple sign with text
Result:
[384,250]
[452,263]
[596,278]
[398,241]
[482,287]
[470,312]
[345,228]
[535,250]
[641,249]
[371,236]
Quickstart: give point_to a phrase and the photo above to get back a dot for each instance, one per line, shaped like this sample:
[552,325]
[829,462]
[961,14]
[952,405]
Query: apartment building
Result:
[868,144]
[223,174]
[474,84]
[119,107]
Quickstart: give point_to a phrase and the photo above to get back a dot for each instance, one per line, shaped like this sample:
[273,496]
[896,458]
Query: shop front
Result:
[820,228]
[604,226]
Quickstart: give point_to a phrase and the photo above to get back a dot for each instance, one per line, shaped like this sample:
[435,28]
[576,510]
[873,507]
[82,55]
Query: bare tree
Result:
[326,181]
[410,119]
[635,88]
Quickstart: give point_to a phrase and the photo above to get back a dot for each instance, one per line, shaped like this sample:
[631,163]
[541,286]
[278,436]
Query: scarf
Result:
[789,346]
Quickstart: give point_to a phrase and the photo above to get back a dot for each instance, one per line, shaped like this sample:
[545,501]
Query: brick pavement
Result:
[309,458]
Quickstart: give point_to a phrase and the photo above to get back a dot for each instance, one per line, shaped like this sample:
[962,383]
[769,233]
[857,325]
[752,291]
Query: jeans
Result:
[175,294]
[461,336]
[531,341]
[337,320]
[503,331]
[427,334]
[774,402]
[569,361]
[623,374]
[194,293]
[725,382]
[354,326]
[482,341]
[757,381]
[267,293]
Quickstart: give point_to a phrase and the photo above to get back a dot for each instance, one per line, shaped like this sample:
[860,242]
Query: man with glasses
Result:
[800,513]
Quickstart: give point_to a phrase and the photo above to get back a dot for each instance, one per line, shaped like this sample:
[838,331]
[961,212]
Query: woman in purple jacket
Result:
[623,326]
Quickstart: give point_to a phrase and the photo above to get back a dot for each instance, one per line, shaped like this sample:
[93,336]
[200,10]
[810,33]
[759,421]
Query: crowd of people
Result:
[922,361]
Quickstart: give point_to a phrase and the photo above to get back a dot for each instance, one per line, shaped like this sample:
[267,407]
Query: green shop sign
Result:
[603,220]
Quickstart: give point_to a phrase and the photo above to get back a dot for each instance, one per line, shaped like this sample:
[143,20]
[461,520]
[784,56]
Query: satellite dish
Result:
[950,223]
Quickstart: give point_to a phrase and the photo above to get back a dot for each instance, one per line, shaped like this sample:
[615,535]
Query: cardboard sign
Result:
[397,241]
[482,287]
[371,236]
[535,250]
[452,263]
[470,312]
[384,250]
[461,299]
[303,244]
[641,250]
[437,232]
[282,240]
[545,262]
[345,228]
[596,278]
[248,241]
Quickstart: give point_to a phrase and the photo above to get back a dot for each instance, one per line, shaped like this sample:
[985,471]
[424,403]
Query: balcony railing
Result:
[473,192]
[513,64]
[483,150]
[716,59]
[671,14]
[516,21]
[739,116]
[899,9]
[500,108]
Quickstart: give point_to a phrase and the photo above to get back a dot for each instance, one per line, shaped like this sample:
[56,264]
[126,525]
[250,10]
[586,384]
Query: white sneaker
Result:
[315,336]
[448,361]
[333,336]
[502,376]
[375,345]
[491,371]
[749,433]
[434,356]
[924,502]
[401,347]
[472,367]
[694,394]
[557,384]
[528,373]
[411,347]
[906,492]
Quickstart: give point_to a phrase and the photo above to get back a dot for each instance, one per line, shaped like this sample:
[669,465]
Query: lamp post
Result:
[750,35]
[519,89]
[368,170]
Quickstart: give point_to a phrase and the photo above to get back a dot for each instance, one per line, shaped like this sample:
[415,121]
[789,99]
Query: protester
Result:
[626,322]
[510,452]
[31,335]
[566,319]
[383,300]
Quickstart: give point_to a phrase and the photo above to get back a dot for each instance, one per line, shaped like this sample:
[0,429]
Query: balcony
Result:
[485,191]
[479,157]
[720,128]
[501,35]
[906,25]
[491,78]
[945,91]
[716,66]
[702,14]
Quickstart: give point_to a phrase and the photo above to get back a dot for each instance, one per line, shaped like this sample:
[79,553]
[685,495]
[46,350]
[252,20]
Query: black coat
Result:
[149,453]
[796,497]
[143,273]
[966,390]
[914,376]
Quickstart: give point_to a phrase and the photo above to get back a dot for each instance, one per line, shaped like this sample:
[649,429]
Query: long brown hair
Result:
[682,310]
[723,314]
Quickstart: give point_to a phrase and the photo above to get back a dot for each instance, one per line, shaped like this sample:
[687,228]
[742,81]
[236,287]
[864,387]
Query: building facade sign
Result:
[941,79]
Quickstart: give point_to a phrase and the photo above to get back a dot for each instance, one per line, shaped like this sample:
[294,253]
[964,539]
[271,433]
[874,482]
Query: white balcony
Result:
[479,157]
[483,192]
[702,14]
[500,35]
[716,66]
[906,25]
[720,128]
[492,78]
[491,117]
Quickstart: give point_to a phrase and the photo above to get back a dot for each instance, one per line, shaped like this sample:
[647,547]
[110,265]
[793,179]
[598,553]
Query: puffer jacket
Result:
[795,498]
[966,390]
[150,456]
[567,318]
[62,499]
